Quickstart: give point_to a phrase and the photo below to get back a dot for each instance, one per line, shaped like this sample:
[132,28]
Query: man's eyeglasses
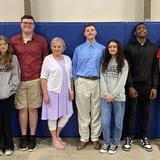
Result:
[29,23]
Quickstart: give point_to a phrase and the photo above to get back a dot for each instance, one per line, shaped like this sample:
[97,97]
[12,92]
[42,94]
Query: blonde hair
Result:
[9,53]
[59,40]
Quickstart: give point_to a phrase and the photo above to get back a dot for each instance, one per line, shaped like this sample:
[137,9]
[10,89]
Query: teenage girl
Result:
[113,77]
[9,81]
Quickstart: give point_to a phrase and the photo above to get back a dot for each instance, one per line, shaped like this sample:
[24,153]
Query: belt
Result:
[91,78]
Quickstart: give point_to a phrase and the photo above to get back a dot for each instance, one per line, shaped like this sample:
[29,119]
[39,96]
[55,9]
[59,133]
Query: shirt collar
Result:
[33,36]
[93,45]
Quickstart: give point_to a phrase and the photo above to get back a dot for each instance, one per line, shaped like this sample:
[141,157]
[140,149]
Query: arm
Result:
[155,73]
[15,79]
[71,92]
[103,85]
[44,48]
[44,90]
[74,65]
[155,76]
[129,82]
[44,77]
[158,55]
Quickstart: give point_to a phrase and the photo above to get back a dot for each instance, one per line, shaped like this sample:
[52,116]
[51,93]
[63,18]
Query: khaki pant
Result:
[29,94]
[88,105]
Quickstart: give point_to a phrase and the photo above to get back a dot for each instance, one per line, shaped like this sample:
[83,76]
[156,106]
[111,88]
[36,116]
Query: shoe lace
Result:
[128,140]
[146,142]
[105,146]
[112,147]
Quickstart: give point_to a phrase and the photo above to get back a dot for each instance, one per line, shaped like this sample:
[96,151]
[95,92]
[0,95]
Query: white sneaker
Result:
[128,144]
[146,144]
[1,152]
[113,149]
[104,148]
[8,152]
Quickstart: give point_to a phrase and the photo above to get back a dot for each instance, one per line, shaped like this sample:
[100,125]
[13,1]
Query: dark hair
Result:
[138,24]
[108,56]
[88,25]
[9,53]
[27,17]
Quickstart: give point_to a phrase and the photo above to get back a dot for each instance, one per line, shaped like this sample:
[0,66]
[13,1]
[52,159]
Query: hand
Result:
[71,95]
[46,99]
[108,98]
[132,92]
[153,93]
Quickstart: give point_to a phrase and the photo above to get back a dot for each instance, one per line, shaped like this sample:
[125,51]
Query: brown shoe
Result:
[96,145]
[81,145]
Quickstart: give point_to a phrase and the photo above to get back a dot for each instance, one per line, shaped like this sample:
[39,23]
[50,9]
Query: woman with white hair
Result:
[57,87]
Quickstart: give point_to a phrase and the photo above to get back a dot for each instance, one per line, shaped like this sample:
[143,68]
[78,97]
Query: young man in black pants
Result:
[141,84]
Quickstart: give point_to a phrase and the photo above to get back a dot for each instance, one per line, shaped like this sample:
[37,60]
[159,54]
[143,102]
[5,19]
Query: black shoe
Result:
[145,144]
[128,144]
[23,143]
[32,143]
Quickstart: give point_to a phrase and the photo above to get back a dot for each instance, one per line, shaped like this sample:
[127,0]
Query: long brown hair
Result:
[9,53]
[108,56]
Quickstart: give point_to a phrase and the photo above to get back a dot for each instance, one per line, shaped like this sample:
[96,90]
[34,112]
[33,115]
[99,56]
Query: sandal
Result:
[63,142]
[58,145]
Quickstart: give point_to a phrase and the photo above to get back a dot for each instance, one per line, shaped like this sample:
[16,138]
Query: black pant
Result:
[6,110]
[143,102]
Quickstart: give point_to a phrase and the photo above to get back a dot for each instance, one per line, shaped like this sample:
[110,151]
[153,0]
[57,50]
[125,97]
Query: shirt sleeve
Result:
[15,79]
[103,85]
[70,68]
[127,56]
[155,72]
[45,69]
[44,47]
[74,64]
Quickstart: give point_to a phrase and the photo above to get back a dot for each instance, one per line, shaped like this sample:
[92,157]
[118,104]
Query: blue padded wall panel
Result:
[129,31]
[11,29]
[1,28]
[72,33]
[154,32]
[40,28]
[111,30]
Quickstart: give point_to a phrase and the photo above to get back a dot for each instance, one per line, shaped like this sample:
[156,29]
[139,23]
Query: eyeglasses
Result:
[29,23]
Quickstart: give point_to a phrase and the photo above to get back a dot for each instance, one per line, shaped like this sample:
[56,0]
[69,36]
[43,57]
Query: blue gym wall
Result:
[72,33]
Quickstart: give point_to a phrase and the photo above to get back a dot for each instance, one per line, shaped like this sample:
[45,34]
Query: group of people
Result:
[103,78]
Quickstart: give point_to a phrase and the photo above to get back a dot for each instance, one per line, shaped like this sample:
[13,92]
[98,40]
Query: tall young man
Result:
[141,84]
[86,71]
[30,49]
